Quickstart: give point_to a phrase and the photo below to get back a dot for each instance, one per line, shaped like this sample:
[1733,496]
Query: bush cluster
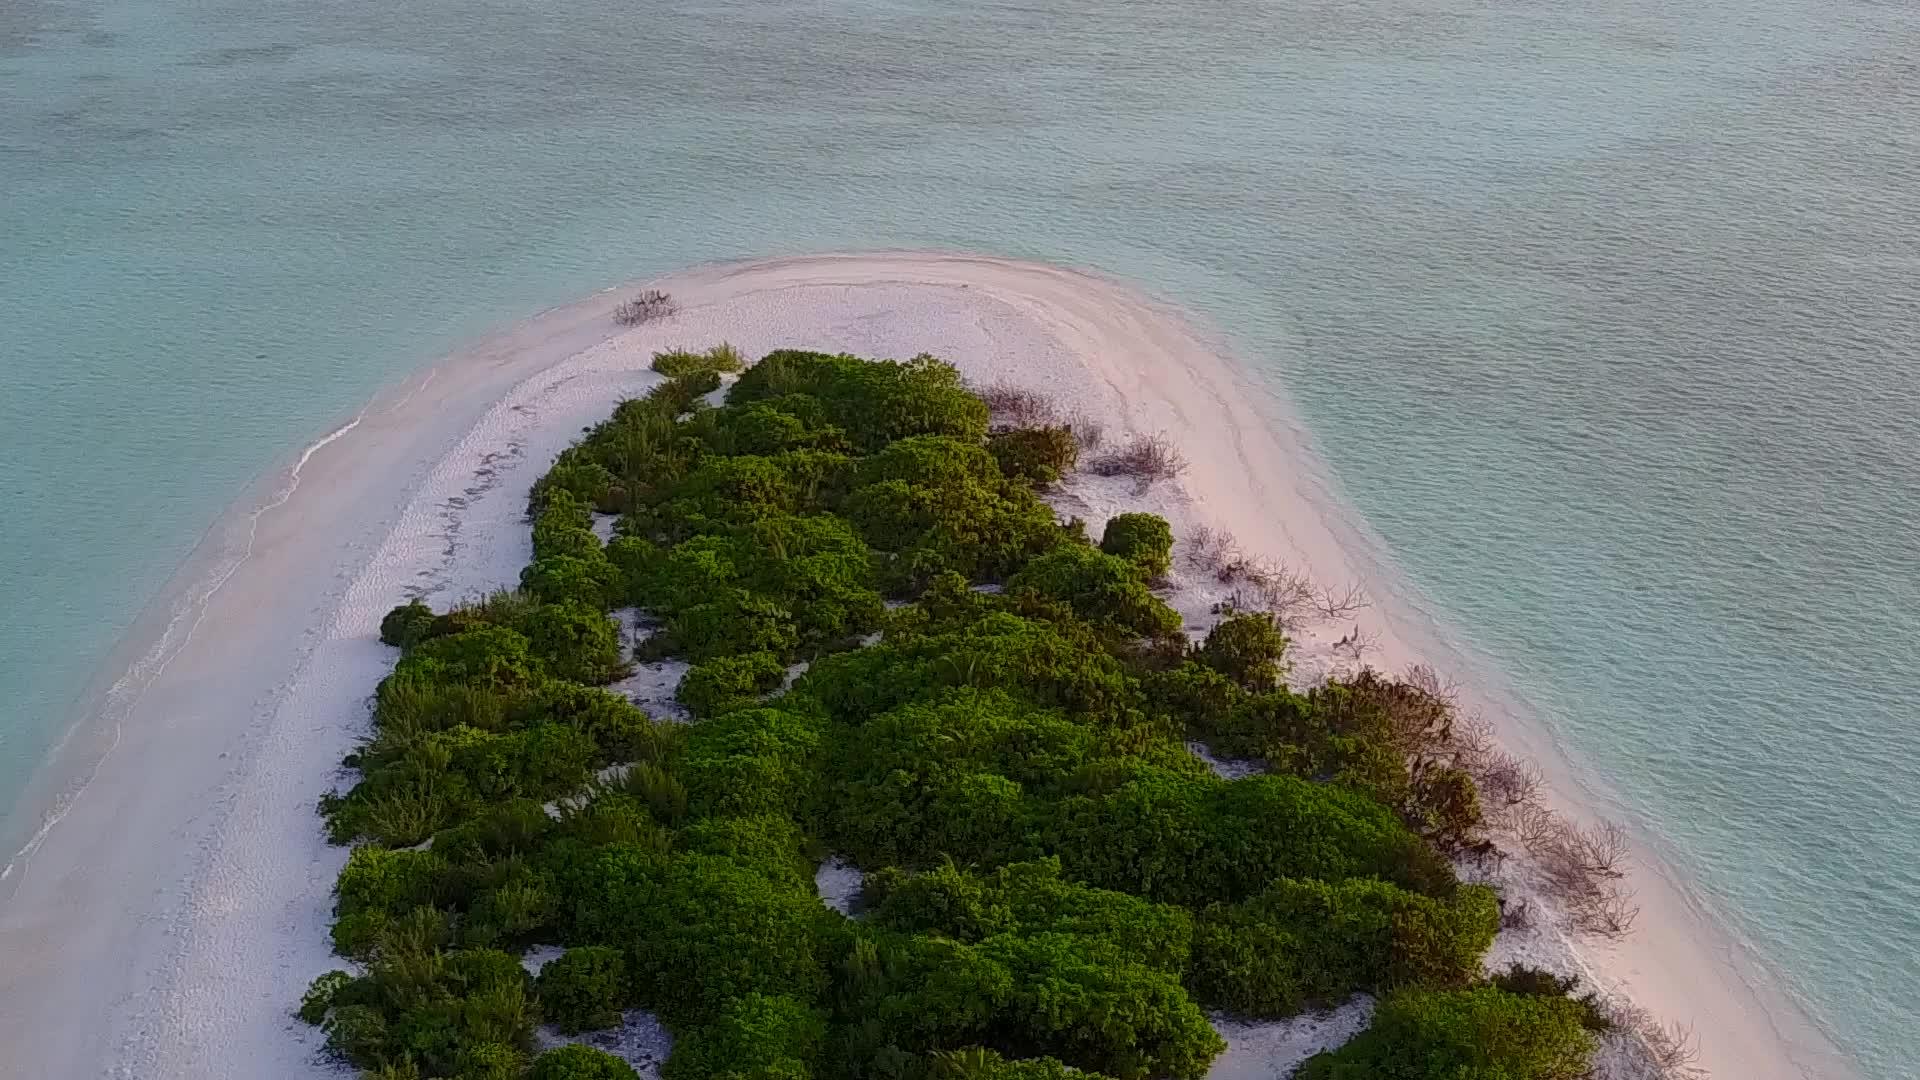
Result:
[1056,886]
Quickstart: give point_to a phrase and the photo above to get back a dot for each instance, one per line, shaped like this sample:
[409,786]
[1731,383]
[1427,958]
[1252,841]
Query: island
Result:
[1081,821]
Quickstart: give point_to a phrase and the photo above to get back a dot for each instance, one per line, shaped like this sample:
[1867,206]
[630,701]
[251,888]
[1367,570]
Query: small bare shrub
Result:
[1582,867]
[1673,1048]
[1234,568]
[1012,407]
[1209,549]
[1088,431]
[1288,592]
[1639,1047]
[647,307]
[1267,586]
[1147,459]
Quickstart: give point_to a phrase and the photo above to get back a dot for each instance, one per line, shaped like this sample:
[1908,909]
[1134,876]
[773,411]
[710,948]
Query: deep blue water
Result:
[1604,314]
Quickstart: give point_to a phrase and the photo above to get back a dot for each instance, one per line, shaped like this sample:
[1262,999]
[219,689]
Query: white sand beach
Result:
[168,919]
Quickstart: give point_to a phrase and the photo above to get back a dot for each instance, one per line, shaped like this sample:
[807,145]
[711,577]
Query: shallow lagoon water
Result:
[1604,318]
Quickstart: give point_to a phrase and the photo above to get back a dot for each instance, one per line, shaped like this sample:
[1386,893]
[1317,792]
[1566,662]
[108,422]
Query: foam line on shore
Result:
[198,849]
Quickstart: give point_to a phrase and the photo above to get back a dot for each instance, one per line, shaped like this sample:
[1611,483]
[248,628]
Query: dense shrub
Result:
[1463,1035]
[729,682]
[584,988]
[1519,979]
[1101,588]
[1189,840]
[1040,456]
[1043,663]
[462,1013]
[490,657]
[619,730]
[752,761]
[1145,540]
[591,581]
[1031,898]
[576,1062]
[575,642]
[1247,647]
[1106,1013]
[771,843]
[376,879]
[1192,695]
[1304,944]
[982,1064]
[589,483]
[947,778]
[763,1036]
[876,403]
[406,624]
[737,930]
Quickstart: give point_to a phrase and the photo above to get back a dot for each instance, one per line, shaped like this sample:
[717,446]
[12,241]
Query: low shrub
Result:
[722,359]
[1147,459]
[1016,407]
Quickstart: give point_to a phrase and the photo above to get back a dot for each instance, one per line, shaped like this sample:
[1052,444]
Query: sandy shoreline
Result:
[170,919]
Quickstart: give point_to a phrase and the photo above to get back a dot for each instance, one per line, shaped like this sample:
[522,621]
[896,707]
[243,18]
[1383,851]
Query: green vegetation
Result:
[1056,886]
[722,359]
[1144,540]
[1464,1035]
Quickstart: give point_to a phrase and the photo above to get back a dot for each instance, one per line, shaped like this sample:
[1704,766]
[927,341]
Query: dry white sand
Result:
[178,902]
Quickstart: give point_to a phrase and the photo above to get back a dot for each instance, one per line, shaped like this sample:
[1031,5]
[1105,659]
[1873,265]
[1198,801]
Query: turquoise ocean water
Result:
[1607,316]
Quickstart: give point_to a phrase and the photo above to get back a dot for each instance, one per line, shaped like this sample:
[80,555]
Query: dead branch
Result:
[1358,642]
[1423,677]
[1533,825]
[1507,781]
[1338,604]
